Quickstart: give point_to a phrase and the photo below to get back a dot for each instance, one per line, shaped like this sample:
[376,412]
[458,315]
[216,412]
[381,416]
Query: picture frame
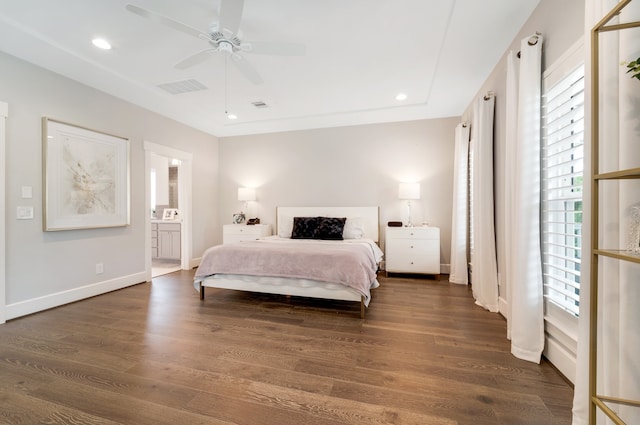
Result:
[86,181]
[239,218]
[169,213]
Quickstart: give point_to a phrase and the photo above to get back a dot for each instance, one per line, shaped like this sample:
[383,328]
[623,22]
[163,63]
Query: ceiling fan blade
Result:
[166,21]
[195,59]
[274,48]
[231,15]
[246,69]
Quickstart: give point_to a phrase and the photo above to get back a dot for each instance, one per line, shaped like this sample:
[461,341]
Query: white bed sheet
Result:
[303,283]
[305,287]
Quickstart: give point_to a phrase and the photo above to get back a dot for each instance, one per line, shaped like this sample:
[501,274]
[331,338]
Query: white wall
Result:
[161,165]
[54,267]
[346,166]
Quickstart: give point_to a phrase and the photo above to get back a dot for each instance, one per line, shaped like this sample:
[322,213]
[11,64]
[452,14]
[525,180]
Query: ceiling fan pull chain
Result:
[226,112]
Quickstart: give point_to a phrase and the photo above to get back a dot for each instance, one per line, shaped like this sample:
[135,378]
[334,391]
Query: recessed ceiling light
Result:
[232,116]
[101,43]
[401,96]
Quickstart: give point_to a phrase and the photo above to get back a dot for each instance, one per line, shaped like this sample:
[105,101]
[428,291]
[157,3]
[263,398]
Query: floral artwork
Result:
[90,178]
[86,178]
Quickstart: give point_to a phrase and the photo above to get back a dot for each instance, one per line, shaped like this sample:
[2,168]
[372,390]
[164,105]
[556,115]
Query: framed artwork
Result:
[86,178]
[239,218]
[169,213]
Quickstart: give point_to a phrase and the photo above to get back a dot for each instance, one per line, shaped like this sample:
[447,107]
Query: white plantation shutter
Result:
[562,169]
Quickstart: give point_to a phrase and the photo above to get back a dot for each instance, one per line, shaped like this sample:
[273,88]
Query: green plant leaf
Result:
[634,68]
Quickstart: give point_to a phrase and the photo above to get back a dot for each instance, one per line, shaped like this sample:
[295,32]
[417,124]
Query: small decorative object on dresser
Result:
[239,218]
[413,250]
[169,213]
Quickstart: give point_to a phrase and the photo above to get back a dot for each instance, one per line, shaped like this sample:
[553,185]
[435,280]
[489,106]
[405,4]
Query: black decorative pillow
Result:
[304,227]
[331,228]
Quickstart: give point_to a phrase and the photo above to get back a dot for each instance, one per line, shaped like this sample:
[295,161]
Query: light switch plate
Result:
[24,213]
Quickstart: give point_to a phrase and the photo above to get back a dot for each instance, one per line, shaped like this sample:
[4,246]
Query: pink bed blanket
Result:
[352,262]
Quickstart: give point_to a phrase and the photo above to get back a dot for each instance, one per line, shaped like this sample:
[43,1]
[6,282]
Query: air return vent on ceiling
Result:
[259,104]
[184,86]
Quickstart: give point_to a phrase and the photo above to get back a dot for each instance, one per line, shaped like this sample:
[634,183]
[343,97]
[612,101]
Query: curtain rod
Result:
[489,95]
[533,40]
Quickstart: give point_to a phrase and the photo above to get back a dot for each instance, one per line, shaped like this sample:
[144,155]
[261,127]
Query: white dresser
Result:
[412,250]
[232,233]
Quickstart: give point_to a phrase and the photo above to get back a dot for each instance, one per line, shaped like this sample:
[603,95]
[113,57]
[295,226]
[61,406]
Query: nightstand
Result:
[232,233]
[412,250]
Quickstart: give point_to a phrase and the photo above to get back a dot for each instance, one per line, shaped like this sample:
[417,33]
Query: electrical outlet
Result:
[99,268]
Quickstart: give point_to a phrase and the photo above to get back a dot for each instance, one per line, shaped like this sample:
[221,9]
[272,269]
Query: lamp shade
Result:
[246,194]
[409,191]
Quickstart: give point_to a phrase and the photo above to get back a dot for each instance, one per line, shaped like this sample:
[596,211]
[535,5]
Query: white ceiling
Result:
[359,55]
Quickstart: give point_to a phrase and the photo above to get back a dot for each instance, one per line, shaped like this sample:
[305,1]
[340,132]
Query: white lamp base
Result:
[409,223]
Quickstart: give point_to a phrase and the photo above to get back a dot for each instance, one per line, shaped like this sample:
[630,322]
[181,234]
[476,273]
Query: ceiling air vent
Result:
[184,86]
[259,104]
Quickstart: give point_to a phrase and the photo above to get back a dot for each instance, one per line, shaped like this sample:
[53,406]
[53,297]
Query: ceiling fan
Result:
[223,36]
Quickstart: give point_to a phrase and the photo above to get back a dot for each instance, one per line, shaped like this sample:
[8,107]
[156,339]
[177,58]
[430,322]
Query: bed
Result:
[333,255]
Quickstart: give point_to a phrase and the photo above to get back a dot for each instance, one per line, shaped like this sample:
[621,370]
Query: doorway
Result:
[166,220]
[168,206]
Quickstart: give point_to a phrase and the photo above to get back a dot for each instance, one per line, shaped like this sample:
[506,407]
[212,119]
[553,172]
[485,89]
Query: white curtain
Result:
[511,131]
[484,269]
[618,344]
[459,271]
[4,113]
[523,253]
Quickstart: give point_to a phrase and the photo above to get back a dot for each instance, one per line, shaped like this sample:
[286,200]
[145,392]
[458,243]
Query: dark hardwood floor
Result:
[155,354]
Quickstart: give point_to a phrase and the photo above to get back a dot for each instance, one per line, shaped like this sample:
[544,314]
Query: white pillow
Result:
[285,226]
[353,228]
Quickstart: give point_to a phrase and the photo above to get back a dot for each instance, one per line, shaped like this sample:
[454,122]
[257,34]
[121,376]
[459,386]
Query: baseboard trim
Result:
[560,358]
[194,262]
[46,302]
[503,307]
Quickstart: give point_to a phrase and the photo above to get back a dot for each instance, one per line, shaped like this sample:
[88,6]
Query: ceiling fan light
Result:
[101,43]
[225,47]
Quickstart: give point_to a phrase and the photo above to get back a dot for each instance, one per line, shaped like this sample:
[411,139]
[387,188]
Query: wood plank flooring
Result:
[155,354]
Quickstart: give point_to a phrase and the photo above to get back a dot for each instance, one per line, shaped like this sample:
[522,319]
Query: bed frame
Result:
[305,288]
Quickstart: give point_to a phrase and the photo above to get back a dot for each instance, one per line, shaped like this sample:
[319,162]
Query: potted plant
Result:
[634,68]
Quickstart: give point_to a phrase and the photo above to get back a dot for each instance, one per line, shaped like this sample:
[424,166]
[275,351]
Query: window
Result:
[562,175]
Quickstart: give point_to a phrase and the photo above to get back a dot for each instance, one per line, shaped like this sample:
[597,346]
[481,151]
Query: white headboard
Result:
[370,216]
